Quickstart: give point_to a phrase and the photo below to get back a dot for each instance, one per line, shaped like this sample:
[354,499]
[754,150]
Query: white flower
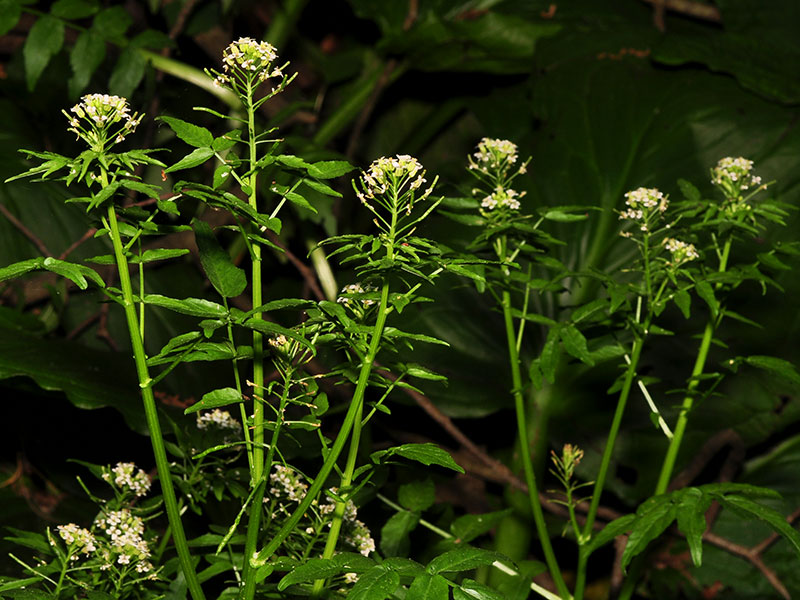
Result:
[219,418]
[100,114]
[249,56]
[681,251]
[493,155]
[287,482]
[126,476]
[126,532]
[503,198]
[398,172]
[642,198]
[82,540]
[351,294]
[733,176]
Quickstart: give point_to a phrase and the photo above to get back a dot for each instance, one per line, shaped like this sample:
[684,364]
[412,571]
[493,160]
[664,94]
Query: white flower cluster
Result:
[126,476]
[733,175]
[502,198]
[126,532]
[218,418]
[356,533]
[80,540]
[278,341]
[494,155]
[350,295]
[287,482]
[248,56]
[100,113]
[681,251]
[643,204]
[396,172]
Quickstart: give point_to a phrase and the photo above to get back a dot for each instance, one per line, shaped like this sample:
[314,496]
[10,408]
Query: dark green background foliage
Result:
[601,98]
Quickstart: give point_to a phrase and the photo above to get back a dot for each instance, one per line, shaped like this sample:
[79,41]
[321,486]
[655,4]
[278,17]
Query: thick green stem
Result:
[257,472]
[151,412]
[525,452]
[583,554]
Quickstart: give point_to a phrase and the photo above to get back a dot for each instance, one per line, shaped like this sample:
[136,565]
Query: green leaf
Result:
[421,372]
[194,158]
[683,300]
[609,532]
[158,254]
[215,399]
[196,307]
[20,268]
[75,273]
[112,23]
[653,519]
[472,590]
[405,567]
[775,365]
[127,73]
[467,527]
[194,135]
[706,292]
[563,217]
[322,188]
[10,12]
[311,570]
[353,562]
[328,169]
[692,508]
[462,559]
[74,9]
[394,534]
[427,454]
[87,54]
[548,361]
[770,516]
[429,587]
[689,191]
[228,279]
[417,495]
[376,584]
[575,343]
[43,43]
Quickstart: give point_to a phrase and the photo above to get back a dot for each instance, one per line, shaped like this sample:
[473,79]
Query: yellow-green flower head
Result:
[100,118]
[681,251]
[493,155]
[733,175]
[248,57]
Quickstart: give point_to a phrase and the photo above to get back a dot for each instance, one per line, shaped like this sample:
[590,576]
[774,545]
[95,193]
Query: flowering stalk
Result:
[151,412]
[732,177]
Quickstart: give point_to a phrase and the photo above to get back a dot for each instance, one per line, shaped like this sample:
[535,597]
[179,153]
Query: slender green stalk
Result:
[151,412]
[522,429]
[671,456]
[583,554]
[353,411]
[257,471]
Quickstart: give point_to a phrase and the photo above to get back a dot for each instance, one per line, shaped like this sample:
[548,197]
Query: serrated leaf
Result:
[575,343]
[692,508]
[770,516]
[353,562]
[683,300]
[194,135]
[328,169]
[775,365]
[376,584]
[43,42]
[74,9]
[228,279]
[648,525]
[609,532]
[427,454]
[127,73]
[196,307]
[462,559]
[429,587]
[548,361]
[156,254]
[395,532]
[706,292]
[215,399]
[311,570]
[689,191]
[472,590]
[194,158]
[112,23]
[417,495]
[467,527]
[87,54]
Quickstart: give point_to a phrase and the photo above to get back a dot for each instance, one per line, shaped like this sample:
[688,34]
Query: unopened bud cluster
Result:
[102,120]
[681,251]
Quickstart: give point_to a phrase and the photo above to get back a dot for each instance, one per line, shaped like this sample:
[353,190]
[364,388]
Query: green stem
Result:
[671,456]
[151,412]
[353,411]
[257,471]
[583,554]
[525,451]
